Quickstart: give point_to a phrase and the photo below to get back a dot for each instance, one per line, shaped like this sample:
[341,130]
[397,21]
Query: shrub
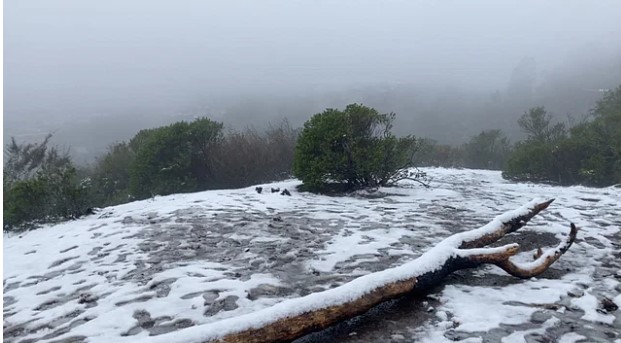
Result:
[590,154]
[248,157]
[488,150]
[429,153]
[41,185]
[535,159]
[111,175]
[353,148]
[173,158]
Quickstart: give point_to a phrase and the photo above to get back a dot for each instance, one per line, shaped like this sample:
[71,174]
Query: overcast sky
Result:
[80,57]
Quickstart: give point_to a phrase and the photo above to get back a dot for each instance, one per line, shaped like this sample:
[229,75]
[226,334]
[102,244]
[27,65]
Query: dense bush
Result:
[111,173]
[353,148]
[428,153]
[40,185]
[174,158]
[534,158]
[186,157]
[488,150]
[589,154]
[248,157]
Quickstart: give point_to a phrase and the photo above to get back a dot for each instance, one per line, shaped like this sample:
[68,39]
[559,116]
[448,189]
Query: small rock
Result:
[230,303]
[575,293]
[540,317]
[86,298]
[285,192]
[258,189]
[609,305]
[455,335]
[210,297]
[275,190]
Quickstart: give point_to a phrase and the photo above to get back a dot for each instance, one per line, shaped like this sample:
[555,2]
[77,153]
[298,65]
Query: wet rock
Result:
[258,189]
[540,317]
[210,297]
[575,293]
[11,286]
[8,301]
[275,190]
[166,328]
[456,335]
[268,291]
[227,304]
[285,192]
[162,288]
[87,298]
[144,319]
[133,331]
[68,249]
[608,305]
[230,303]
[61,261]
[141,298]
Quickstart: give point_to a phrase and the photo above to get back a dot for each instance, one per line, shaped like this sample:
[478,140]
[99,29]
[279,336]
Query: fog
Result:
[96,72]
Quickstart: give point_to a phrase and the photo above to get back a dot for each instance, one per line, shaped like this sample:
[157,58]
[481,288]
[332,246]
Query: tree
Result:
[353,148]
[536,158]
[41,185]
[488,150]
[590,154]
[173,158]
[537,123]
[111,174]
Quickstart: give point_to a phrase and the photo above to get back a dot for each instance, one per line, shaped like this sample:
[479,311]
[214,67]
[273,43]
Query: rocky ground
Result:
[158,266]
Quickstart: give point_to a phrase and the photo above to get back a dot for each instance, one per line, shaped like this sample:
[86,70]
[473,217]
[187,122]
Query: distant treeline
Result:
[587,153]
[42,184]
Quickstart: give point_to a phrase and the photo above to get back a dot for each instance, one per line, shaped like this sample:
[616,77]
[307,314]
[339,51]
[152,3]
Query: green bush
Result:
[428,153]
[173,158]
[590,154]
[535,159]
[41,185]
[488,150]
[353,148]
[111,175]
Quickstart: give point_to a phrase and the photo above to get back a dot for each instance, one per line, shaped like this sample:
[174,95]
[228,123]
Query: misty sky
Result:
[81,58]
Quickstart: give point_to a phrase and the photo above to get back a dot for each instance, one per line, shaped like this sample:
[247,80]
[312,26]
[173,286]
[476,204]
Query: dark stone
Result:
[258,189]
[285,192]
[540,317]
[609,305]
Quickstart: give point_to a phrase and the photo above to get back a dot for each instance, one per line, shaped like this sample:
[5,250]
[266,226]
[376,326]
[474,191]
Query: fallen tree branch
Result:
[293,318]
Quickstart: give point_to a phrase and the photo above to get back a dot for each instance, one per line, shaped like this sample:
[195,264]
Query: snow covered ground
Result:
[140,271]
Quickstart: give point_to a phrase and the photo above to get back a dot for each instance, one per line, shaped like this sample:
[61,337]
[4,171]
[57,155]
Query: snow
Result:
[104,256]
[571,337]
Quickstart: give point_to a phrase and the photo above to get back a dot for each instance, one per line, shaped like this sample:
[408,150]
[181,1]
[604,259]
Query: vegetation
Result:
[353,148]
[487,150]
[588,153]
[350,149]
[40,185]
